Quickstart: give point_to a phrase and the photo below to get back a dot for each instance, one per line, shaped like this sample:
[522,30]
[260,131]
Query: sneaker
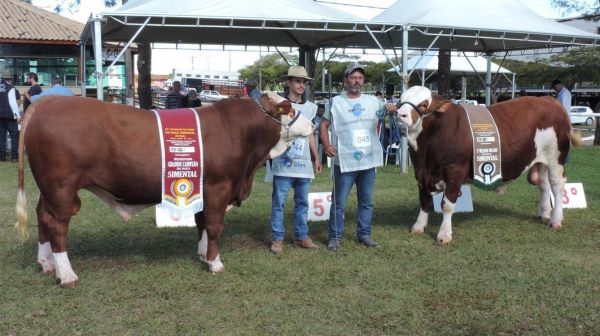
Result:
[367,241]
[277,246]
[306,243]
[334,245]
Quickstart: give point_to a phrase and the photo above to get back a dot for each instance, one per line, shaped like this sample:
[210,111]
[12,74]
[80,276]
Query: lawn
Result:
[503,274]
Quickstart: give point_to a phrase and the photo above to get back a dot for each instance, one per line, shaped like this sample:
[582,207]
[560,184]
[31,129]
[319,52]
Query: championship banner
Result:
[487,169]
[182,161]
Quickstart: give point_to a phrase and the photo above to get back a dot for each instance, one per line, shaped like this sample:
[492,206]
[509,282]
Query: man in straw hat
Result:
[294,169]
[9,117]
[357,151]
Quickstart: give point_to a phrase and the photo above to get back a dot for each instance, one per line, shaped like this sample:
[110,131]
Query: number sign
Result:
[319,204]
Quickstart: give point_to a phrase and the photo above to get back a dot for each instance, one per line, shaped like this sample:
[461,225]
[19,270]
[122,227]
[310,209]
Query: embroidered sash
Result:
[487,172]
[182,161]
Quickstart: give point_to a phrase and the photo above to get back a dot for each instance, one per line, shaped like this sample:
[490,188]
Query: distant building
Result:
[179,74]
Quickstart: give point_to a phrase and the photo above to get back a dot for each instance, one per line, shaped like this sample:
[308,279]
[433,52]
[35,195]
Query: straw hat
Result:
[298,72]
[6,74]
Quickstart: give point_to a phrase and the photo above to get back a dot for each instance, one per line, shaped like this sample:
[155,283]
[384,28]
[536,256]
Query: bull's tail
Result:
[575,137]
[22,216]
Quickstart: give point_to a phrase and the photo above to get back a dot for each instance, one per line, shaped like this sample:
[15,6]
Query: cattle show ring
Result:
[156,221]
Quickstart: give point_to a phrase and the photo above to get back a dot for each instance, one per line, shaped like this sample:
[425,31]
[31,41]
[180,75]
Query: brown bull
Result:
[535,134]
[114,151]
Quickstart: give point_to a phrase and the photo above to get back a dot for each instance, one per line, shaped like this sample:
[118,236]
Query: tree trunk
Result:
[444,63]
[144,66]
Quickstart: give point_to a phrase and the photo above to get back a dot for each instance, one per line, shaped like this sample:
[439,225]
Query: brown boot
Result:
[306,243]
[277,246]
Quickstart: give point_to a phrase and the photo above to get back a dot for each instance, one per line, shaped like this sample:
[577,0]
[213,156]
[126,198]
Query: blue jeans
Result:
[364,180]
[281,186]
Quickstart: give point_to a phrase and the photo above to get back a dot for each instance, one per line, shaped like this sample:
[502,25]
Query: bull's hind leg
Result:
[53,221]
[202,237]
[544,186]
[557,184]
[44,256]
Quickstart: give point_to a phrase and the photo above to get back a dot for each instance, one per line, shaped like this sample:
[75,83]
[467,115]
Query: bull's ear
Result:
[439,105]
[284,107]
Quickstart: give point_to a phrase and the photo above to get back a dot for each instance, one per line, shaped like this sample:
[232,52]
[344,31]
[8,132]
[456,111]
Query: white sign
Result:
[573,196]
[464,203]
[319,204]
[164,219]
[109,54]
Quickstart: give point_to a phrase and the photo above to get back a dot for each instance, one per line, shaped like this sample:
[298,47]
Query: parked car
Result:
[211,96]
[581,115]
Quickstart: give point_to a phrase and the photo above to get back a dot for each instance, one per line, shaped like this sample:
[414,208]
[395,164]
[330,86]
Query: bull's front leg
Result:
[448,203]
[202,237]
[426,202]
[213,226]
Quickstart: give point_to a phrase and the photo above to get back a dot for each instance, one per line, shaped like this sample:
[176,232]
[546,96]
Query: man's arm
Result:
[12,101]
[313,151]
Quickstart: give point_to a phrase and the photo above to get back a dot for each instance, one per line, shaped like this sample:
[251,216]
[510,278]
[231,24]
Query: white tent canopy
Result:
[468,64]
[291,23]
[473,25]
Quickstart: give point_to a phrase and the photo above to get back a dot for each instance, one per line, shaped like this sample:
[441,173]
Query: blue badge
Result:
[357,109]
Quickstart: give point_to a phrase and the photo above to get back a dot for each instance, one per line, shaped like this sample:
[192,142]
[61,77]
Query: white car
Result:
[211,96]
[581,115]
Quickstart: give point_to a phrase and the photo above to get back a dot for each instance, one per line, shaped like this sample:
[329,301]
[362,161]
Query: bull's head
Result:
[416,104]
[293,124]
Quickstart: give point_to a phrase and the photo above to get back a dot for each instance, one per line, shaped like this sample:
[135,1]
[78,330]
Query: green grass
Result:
[503,274]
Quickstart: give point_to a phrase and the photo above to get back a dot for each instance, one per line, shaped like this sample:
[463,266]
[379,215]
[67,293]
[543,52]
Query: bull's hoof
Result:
[202,258]
[47,267]
[49,271]
[554,225]
[442,240]
[216,266]
[416,231]
[70,284]
[545,220]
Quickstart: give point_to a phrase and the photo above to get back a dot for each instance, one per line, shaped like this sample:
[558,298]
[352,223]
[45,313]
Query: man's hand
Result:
[318,166]
[390,108]
[330,150]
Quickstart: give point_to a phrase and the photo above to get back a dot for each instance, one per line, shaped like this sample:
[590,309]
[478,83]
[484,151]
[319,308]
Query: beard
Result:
[355,88]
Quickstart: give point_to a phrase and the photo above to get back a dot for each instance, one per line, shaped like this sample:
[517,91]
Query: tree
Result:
[444,64]
[593,13]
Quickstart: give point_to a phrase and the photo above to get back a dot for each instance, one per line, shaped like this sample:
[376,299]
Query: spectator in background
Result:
[251,89]
[522,93]
[56,90]
[9,117]
[175,99]
[34,89]
[193,100]
[563,95]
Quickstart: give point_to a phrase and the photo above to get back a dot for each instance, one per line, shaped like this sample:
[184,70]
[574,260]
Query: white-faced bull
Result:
[114,151]
[535,133]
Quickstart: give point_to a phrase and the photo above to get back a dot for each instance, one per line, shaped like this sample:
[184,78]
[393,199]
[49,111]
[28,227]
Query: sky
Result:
[164,60]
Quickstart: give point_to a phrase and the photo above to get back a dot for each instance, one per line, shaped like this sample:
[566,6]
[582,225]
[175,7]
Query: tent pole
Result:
[403,139]
[488,80]
[82,64]
[98,57]
[463,95]
[514,84]
[128,44]
[382,50]
[422,77]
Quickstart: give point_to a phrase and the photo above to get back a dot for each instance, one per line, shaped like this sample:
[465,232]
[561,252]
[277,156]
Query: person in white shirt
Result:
[563,95]
[294,169]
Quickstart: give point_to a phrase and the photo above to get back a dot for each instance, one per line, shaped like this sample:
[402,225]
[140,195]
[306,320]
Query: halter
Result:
[286,126]
[421,115]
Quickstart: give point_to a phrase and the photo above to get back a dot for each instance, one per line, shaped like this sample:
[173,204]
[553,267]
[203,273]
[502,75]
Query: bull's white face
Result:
[418,96]
[301,127]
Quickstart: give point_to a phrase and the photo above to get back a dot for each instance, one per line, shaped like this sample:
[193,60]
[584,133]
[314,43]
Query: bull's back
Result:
[519,120]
